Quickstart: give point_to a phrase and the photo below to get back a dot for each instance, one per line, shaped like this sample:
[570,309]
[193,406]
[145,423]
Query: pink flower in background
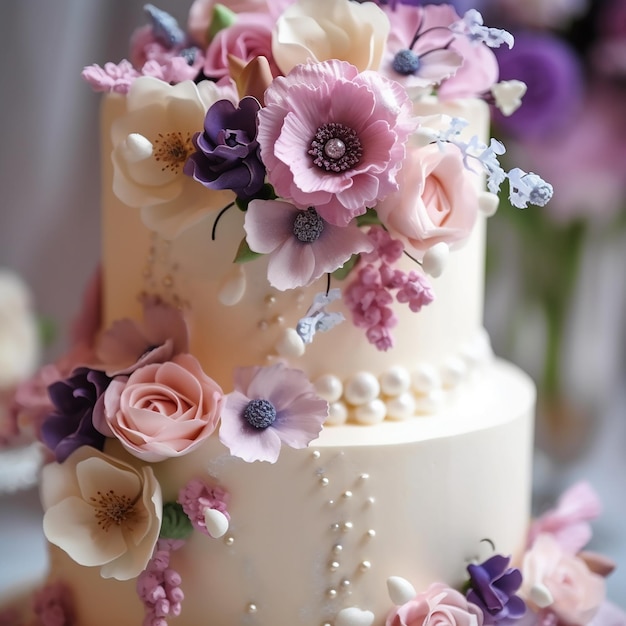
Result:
[333,138]
[301,244]
[163,409]
[114,78]
[436,201]
[269,407]
[249,37]
[437,606]
[560,583]
[568,522]
[128,345]
[54,605]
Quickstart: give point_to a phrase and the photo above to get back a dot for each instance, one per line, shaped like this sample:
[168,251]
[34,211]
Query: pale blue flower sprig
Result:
[524,188]
[317,319]
[472,26]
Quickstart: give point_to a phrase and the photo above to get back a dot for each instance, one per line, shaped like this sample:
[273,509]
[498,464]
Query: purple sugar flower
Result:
[227,152]
[71,425]
[552,72]
[492,587]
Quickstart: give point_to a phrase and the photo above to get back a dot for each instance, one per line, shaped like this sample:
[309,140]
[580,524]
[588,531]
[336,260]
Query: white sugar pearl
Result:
[435,259]
[425,378]
[353,616]
[216,522]
[361,388]
[395,380]
[233,286]
[329,387]
[488,203]
[290,344]
[401,407]
[429,403]
[400,590]
[371,413]
[136,148]
[453,372]
[337,414]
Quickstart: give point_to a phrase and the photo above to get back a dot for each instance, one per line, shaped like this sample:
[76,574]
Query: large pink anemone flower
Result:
[334,138]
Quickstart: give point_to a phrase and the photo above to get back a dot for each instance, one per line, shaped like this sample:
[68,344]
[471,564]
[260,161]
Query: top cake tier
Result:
[237,318]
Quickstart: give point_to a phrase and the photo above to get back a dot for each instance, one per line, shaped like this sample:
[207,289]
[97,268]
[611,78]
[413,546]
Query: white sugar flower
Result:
[102,512]
[528,188]
[151,143]
[508,95]
[473,27]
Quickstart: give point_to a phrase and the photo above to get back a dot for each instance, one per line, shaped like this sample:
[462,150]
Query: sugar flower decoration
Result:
[101,511]
[128,344]
[53,604]
[436,201]
[560,584]
[528,188]
[418,53]
[159,585]
[77,401]
[493,586]
[227,152]
[163,410]
[151,143]
[473,27]
[206,507]
[333,138]
[270,406]
[301,244]
[437,606]
[320,30]
[317,318]
[569,521]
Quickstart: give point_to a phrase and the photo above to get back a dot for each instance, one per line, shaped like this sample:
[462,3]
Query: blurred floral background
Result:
[556,288]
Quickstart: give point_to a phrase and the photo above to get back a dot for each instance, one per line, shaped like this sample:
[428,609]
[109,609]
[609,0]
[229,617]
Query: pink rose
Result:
[436,201]
[437,606]
[560,583]
[249,37]
[163,409]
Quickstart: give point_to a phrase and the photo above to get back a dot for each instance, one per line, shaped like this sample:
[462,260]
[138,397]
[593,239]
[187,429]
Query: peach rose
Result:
[436,202]
[437,606]
[163,410]
[560,582]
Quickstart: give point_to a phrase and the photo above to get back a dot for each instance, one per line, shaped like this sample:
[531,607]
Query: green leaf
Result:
[369,218]
[175,524]
[346,268]
[244,254]
[222,18]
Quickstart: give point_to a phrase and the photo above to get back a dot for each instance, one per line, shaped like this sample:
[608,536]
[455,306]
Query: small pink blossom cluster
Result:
[196,496]
[158,585]
[53,606]
[369,295]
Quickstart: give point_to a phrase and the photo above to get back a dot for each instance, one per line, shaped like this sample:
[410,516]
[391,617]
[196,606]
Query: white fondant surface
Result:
[430,489]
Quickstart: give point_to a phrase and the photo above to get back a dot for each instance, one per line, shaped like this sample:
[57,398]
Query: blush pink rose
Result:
[163,410]
[436,201]
[560,582]
[437,606]
[249,37]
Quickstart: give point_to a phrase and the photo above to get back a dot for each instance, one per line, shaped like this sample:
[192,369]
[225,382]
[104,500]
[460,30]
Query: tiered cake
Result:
[292,414]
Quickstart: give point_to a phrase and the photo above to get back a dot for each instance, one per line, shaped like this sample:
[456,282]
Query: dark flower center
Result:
[335,147]
[113,509]
[259,413]
[406,62]
[308,226]
[172,150]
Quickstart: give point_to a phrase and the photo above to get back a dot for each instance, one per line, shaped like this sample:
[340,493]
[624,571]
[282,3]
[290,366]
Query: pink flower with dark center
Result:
[301,244]
[334,138]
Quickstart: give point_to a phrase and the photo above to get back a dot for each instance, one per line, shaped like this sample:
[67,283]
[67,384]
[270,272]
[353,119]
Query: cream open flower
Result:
[151,143]
[320,30]
[102,512]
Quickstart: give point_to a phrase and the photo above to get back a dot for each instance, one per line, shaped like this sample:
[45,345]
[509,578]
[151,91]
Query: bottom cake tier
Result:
[322,529]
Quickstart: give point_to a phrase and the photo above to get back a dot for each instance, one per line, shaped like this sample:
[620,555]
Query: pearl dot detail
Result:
[370,413]
[361,388]
[329,387]
[395,380]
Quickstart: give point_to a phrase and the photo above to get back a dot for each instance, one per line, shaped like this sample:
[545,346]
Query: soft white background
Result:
[49,230]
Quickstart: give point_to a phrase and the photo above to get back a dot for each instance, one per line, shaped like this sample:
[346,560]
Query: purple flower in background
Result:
[75,400]
[227,152]
[552,72]
[492,587]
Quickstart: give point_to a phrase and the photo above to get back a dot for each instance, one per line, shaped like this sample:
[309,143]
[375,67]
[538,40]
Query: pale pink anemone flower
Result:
[334,138]
[270,406]
[419,40]
[301,244]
